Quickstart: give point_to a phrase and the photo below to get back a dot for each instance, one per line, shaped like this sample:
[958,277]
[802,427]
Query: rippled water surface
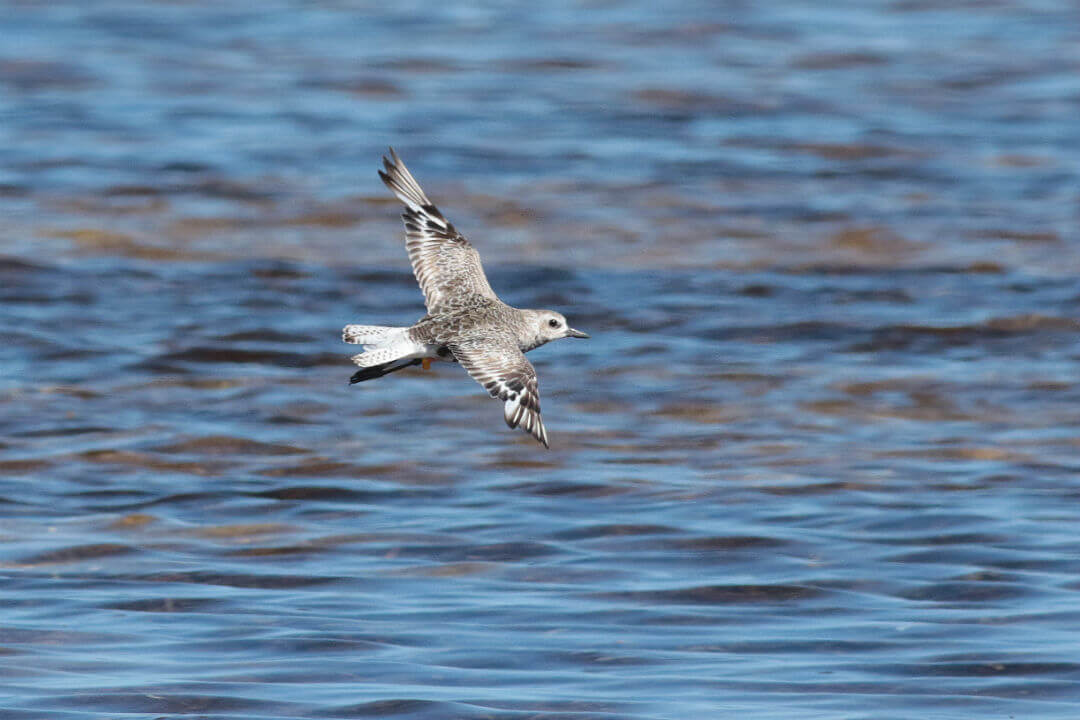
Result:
[821,457]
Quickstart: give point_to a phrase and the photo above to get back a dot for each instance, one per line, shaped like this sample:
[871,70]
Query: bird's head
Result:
[548,325]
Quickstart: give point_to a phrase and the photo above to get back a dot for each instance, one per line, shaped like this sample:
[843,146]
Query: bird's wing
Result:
[445,264]
[504,372]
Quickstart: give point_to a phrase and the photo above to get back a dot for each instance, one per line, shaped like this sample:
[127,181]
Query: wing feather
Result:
[446,266]
[503,370]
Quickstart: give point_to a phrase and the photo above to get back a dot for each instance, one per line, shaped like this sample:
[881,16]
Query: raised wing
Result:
[505,373]
[445,264]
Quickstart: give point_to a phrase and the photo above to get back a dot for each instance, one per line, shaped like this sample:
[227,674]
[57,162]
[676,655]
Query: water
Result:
[820,456]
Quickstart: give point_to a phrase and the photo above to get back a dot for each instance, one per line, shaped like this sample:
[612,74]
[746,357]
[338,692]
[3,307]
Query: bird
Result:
[466,322]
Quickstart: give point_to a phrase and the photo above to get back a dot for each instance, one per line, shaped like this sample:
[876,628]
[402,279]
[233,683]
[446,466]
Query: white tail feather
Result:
[381,344]
[367,334]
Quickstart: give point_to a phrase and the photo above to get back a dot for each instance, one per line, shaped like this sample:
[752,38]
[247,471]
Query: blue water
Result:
[819,458]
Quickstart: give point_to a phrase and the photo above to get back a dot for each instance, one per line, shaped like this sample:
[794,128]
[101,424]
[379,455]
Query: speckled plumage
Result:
[466,321]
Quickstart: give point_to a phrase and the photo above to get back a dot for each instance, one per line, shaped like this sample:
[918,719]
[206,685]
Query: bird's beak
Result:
[571,332]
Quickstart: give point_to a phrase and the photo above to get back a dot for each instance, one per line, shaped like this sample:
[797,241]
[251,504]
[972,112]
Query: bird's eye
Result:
[553,322]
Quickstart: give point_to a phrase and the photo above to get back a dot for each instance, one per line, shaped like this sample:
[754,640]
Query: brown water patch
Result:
[241,580]
[722,542]
[832,406]
[693,101]
[132,191]
[108,205]
[556,489]
[992,454]
[980,267]
[242,531]
[847,151]
[448,569]
[503,552]
[327,493]
[276,551]
[838,60]
[343,213]
[753,381]
[1033,322]
[614,530]
[1019,237]
[1018,160]
[512,217]
[705,413]
[91,240]
[606,406]
[815,488]
[221,445]
[198,226]
[927,405]
[193,383]
[927,338]
[167,605]
[1048,386]
[871,387]
[22,467]
[640,459]
[77,553]
[360,86]
[321,467]
[422,65]
[145,460]
[769,450]
[874,241]
[556,64]
[509,461]
[132,521]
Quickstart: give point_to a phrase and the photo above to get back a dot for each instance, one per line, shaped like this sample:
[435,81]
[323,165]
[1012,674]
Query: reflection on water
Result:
[821,452]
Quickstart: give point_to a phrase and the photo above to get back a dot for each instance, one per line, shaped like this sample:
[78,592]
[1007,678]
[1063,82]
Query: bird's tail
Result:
[369,335]
[386,349]
[377,371]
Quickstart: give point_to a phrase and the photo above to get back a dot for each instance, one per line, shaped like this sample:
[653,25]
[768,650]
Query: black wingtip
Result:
[392,162]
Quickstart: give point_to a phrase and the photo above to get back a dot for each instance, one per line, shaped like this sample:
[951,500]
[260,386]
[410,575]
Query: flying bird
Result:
[465,321]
